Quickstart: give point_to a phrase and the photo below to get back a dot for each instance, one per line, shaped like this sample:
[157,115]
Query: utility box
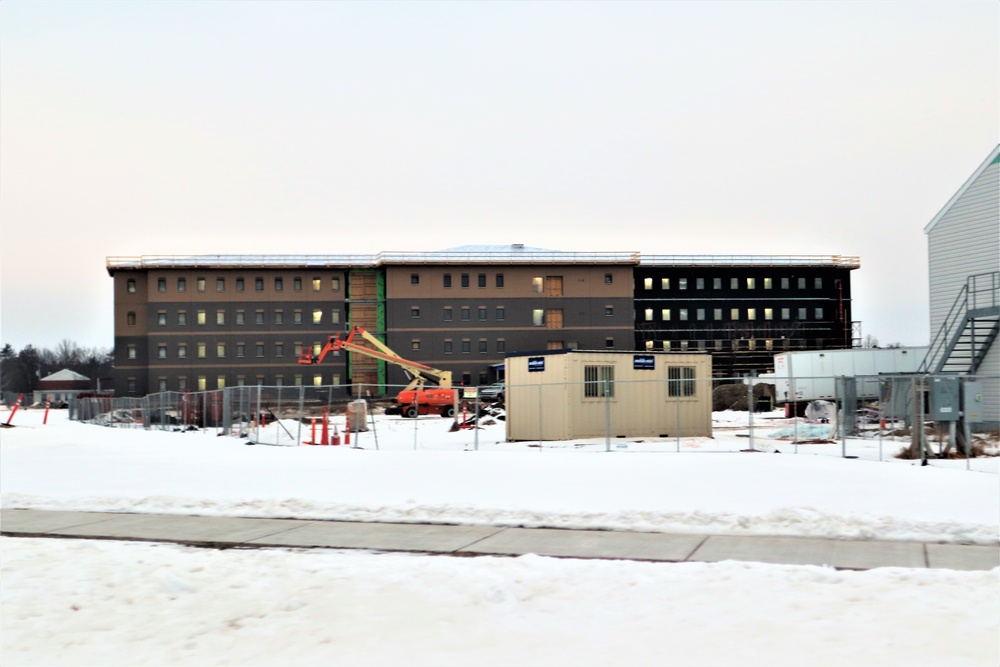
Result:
[973,403]
[945,405]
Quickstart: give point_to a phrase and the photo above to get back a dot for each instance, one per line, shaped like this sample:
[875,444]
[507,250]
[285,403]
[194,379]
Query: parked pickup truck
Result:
[492,392]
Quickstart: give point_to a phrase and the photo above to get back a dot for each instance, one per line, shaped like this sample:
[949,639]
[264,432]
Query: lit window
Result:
[317,284]
[802,314]
[786,313]
[734,313]
[220,317]
[664,283]
[699,283]
[538,317]
[202,383]
[161,318]
[202,317]
[161,351]
[819,313]
[220,350]
[751,313]
[682,283]
[537,283]
[701,314]
[716,283]
[717,314]
[335,284]
[734,283]
[335,316]
[131,351]
[801,283]
[202,350]
[317,380]
[784,283]
[767,283]
[130,285]
[751,283]
[220,382]
[683,314]
[317,316]
[769,313]
[664,315]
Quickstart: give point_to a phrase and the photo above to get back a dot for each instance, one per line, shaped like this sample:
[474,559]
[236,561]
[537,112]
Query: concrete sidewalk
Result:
[211,531]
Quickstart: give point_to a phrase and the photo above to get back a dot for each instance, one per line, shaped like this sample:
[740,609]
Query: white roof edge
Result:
[961,191]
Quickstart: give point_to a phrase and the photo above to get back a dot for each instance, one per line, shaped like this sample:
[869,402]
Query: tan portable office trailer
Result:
[560,394]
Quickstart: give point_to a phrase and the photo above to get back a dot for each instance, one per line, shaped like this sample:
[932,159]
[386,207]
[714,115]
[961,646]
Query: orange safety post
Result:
[325,434]
[312,440]
[347,430]
[14,411]
[45,418]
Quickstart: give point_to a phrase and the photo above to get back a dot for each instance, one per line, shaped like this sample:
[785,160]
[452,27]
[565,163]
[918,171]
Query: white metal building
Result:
[963,242]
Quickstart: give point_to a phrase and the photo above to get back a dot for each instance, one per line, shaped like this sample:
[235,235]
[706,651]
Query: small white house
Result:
[61,386]
[563,394]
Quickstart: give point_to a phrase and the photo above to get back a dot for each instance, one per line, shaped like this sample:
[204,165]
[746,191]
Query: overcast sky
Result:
[132,128]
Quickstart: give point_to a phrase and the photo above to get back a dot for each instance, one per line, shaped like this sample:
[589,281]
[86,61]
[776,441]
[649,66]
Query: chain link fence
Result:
[853,417]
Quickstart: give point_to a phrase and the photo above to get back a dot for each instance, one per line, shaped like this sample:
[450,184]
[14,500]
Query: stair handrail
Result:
[958,313]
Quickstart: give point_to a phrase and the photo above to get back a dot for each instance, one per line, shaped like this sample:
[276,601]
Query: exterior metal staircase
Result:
[969,329]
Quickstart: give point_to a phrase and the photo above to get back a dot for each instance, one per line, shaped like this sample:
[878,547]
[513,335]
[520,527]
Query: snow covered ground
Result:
[96,602]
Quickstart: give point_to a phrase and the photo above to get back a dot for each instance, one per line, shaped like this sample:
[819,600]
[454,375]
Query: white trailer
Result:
[810,376]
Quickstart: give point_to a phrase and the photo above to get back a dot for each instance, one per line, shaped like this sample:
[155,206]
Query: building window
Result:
[335,316]
[447,313]
[447,346]
[683,314]
[682,283]
[465,280]
[499,280]
[220,382]
[317,316]
[680,381]
[647,283]
[317,284]
[717,314]
[769,313]
[501,345]
[279,380]
[801,283]
[483,345]
[161,351]
[130,318]
[335,284]
[701,314]
[161,318]
[241,349]
[608,278]
[447,280]
[649,345]
[414,278]
[414,311]
[202,317]
[241,317]
[784,283]
[130,285]
[279,284]
[465,314]
[819,313]
[220,350]
[220,284]
[202,350]
[258,284]
[182,284]
[734,283]
[716,283]
[609,311]
[259,349]
[161,284]
[162,384]
[802,313]
[317,348]
[481,280]
[482,313]
[598,381]
[297,317]
[259,317]
[818,284]
[279,349]
[699,283]
[297,284]
[664,283]
[241,380]
[609,342]
[751,283]
[734,314]
[664,314]
[466,346]
[538,317]
[220,317]
[200,282]
[202,383]
[786,313]
[182,351]
[240,284]
[768,283]
[538,284]
[415,344]
[317,380]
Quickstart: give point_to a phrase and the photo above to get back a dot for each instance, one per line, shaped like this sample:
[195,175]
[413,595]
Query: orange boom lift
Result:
[416,398]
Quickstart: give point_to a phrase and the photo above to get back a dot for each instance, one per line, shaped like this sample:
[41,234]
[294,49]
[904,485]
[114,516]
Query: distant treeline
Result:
[21,370]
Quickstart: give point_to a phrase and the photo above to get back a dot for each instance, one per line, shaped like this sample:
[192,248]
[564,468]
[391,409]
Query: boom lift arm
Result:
[419,373]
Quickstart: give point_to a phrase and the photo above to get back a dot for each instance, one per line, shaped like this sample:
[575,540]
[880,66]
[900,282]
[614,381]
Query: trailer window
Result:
[680,381]
[597,380]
